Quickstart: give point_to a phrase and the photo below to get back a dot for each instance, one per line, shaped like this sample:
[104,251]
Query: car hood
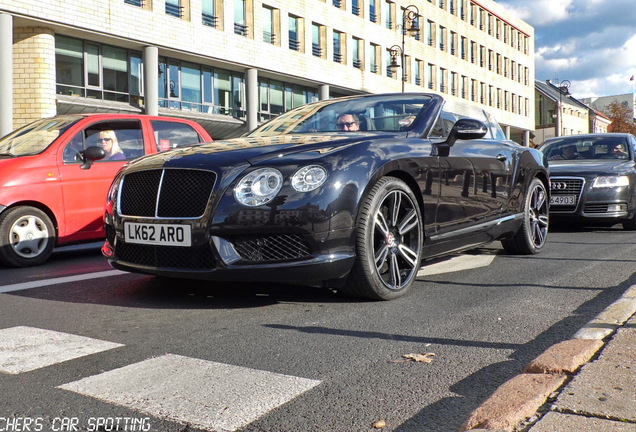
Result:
[590,167]
[251,150]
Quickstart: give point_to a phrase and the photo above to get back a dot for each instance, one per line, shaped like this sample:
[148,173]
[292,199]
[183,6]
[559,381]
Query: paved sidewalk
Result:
[585,384]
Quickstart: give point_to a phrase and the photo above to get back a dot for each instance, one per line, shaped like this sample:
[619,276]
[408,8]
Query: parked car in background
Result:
[55,172]
[593,178]
[350,192]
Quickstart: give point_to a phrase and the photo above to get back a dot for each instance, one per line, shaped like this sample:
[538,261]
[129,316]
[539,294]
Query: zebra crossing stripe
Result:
[204,394]
[458,263]
[23,349]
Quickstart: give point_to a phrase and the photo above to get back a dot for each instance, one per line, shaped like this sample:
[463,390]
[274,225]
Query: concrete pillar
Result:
[507,131]
[526,138]
[251,98]
[6,74]
[151,80]
[323,91]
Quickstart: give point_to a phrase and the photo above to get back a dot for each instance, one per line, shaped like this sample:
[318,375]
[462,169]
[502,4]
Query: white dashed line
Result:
[61,280]
[24,349]
[204,394]
[461,262]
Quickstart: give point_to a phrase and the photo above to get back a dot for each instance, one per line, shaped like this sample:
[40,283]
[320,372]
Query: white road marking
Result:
[61,280]
[461,262]
[24,349]
[209,395]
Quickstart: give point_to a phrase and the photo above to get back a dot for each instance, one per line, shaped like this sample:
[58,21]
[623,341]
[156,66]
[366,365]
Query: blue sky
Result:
[591,43]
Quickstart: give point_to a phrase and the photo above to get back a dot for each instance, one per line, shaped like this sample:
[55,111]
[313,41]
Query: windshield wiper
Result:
[7,155]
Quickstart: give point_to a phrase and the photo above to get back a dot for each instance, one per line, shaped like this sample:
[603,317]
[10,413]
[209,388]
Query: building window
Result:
[430,76]
[317,40]
[442,38]
[389,18]
[442,80]
[355,7]
[192,87]
[338,40]
[276,97]
[357,53]
[240,18]
[138,3]
[373,13]
[295,32]
[270,25]
[174,8]
[373,58]
[418,72]
[430,32]
[337,3]
[97,71]
[208,13]
[453,43]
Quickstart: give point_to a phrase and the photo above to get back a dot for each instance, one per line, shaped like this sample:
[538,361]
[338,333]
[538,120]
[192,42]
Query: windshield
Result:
[601,147]
[382,113]
[35,137]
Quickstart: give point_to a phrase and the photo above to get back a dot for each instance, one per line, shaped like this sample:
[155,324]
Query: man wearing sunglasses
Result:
[348,122]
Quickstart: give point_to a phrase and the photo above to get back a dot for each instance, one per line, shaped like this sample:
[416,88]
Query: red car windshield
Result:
[35,137]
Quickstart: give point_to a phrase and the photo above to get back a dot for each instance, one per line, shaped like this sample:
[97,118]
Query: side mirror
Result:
[91,154]
[466,129]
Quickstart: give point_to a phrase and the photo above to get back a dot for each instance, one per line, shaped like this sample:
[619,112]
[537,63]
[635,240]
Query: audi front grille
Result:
[566,193]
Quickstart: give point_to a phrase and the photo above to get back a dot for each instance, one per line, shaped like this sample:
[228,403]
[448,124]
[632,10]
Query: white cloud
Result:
[540,12]
[589,42]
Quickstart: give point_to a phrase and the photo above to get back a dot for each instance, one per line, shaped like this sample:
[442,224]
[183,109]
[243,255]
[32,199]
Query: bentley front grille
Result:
[166,193]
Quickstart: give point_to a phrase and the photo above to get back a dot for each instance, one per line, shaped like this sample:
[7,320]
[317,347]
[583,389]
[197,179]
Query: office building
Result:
[231,64]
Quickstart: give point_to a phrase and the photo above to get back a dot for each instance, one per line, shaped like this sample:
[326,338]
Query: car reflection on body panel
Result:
[593,178]
[299,201]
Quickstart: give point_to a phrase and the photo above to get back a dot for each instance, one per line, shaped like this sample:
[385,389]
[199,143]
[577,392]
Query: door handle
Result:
[501,157]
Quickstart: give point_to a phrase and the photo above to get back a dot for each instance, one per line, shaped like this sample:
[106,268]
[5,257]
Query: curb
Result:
[520,398]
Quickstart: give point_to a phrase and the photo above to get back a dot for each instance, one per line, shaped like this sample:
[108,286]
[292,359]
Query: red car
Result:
[55,174]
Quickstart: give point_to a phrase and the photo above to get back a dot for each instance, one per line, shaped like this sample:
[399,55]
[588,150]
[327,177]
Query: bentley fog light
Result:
[258,187]
[309,178]
[611,181]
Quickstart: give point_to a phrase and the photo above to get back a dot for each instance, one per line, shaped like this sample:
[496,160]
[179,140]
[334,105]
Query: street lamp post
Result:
[409,15]
[563,88]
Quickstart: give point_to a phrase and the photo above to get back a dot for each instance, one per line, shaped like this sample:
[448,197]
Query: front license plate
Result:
[158,234]
[563,200]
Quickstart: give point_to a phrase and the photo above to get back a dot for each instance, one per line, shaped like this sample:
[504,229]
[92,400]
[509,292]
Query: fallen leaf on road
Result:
[380,424]
[421,358]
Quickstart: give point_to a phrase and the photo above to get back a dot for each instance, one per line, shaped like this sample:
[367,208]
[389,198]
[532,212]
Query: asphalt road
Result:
[165,355]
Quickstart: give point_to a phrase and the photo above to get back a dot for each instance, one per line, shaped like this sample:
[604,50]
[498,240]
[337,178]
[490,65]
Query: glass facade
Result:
[111,73]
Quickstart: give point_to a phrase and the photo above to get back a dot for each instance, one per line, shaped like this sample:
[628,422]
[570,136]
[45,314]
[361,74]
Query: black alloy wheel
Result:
[388,244]
[533,233]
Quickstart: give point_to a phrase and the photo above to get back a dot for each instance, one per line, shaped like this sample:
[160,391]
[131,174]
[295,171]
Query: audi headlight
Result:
[611,181]
[309,178]
[258,187]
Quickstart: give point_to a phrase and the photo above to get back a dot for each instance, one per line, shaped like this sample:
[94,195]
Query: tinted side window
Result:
[169,135]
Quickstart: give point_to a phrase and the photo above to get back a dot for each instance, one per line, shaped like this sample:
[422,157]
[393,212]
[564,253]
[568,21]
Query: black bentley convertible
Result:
[353,192]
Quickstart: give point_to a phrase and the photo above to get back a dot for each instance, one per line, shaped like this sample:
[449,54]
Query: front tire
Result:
[531,236]
[27,237]
[389,242]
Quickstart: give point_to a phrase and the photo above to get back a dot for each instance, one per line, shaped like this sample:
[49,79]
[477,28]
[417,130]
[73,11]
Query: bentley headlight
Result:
[258,187]
[611,181]
[309,178]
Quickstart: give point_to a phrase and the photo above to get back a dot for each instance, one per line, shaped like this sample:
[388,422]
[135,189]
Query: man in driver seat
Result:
[567,152]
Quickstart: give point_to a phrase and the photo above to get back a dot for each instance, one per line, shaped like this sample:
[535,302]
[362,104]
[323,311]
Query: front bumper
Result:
[602,205]
[273,257]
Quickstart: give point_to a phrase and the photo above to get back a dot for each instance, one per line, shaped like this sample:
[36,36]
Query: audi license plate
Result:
[563,200]
[158,234]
